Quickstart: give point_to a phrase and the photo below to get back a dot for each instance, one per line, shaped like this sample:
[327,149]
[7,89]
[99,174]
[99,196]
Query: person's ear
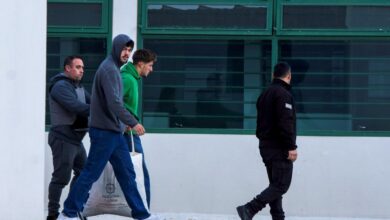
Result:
[289,78]
[67,68]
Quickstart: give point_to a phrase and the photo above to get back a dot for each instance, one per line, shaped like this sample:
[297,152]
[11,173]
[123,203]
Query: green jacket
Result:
[130,78]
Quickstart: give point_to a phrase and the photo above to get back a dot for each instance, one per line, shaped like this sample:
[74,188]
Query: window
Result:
[247,17]
[212,66]
[75,14]
[92,50]
[207,16]
[340,85]
[335,17]
[205,83]
[70,16]
[76,28]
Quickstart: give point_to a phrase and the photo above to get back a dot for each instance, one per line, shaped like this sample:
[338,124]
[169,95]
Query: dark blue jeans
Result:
[106,146]
[138,148]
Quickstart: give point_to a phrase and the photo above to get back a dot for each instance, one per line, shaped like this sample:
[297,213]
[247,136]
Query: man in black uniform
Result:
[276,130]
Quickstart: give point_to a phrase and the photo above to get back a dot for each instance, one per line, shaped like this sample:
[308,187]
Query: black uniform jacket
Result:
[276,117]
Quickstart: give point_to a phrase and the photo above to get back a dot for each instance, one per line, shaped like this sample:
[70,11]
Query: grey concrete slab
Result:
[196,216]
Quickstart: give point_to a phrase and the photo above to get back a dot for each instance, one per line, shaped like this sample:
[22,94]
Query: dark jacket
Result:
[276,117]
[107,108]
[69,108]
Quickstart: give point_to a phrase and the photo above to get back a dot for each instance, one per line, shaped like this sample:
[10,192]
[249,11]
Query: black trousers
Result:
[279,171]
[66,157]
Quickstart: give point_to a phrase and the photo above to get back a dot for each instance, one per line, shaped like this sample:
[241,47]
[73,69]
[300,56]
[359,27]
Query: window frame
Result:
[200,130]
[353,133]
[275,37]
[105,22]
[327,32]
[144,29]
[274,58]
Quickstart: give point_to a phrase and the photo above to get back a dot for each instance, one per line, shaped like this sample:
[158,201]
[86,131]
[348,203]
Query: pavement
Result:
[195,216]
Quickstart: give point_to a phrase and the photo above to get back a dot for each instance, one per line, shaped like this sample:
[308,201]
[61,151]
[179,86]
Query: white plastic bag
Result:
[106,195]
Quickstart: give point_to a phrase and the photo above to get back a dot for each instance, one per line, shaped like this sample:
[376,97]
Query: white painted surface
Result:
[124,18]
[22,94]
[342,177]
[334,176]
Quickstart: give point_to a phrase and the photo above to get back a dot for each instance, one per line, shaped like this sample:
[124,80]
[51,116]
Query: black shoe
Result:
[244,213]
[52,217]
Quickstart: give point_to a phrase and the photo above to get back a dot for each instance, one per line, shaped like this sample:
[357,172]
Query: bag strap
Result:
[132,142]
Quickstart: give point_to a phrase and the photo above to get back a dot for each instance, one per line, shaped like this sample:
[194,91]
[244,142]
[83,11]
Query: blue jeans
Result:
[106,146]
[138,148]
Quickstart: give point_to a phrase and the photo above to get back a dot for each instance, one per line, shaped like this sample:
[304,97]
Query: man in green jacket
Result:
[141,66]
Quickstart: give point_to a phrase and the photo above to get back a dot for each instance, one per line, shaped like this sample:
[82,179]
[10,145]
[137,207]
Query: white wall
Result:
[212,174]
[22,93]
[124,19]
[333,177]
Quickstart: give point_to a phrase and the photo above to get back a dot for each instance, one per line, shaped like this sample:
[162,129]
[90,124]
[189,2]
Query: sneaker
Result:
[153,217]
[62,216]
[81,217]
[244,213]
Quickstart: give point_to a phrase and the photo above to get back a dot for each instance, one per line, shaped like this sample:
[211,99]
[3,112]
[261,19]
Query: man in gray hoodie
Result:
[69,111]
[108,121]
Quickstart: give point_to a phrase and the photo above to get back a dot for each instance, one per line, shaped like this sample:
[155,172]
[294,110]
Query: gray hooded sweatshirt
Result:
[69,108]
[107,109]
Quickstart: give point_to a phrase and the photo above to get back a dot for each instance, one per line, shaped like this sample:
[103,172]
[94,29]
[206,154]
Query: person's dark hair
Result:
[281,70]
[130,43]
[144,55]
[69,59]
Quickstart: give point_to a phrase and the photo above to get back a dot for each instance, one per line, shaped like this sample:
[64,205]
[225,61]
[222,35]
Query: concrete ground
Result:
[193,216]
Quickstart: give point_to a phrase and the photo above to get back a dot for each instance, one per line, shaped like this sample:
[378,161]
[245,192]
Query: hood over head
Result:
[118,43]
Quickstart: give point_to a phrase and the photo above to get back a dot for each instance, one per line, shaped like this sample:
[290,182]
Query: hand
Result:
[292,155]
[139,129]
